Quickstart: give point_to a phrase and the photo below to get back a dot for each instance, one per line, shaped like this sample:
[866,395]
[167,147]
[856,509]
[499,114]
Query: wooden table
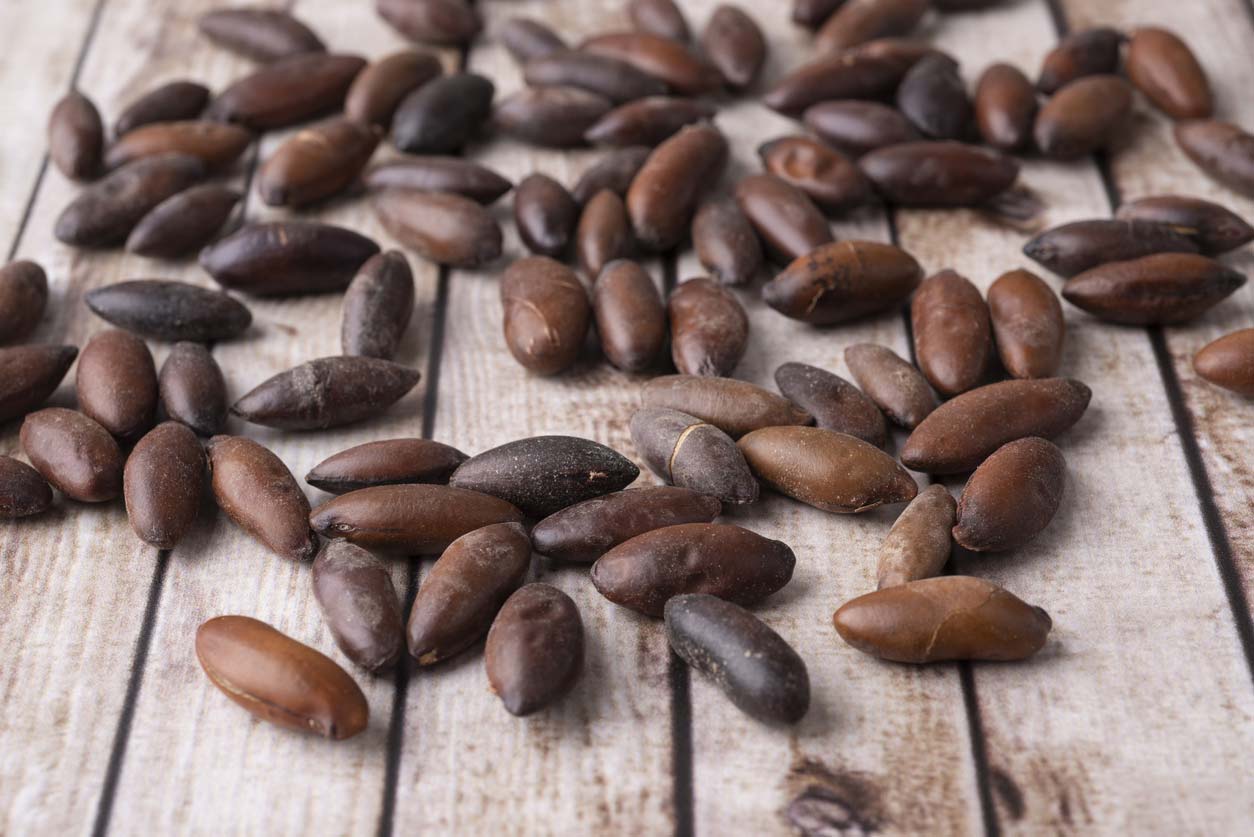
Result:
[1137,718]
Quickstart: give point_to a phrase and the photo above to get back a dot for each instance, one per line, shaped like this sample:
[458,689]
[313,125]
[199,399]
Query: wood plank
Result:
[600,761]
[218,765]
[41,52]
[1138,713]
[890,741]
[1149,162]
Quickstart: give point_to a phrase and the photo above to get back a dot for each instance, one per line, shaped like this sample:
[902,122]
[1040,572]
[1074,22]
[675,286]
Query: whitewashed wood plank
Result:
[1138,714]
[42,45]
[600,761]
[222,771]
[1149,162]
[891,742]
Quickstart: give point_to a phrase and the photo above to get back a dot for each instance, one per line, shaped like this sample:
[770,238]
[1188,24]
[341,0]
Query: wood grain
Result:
[599,762]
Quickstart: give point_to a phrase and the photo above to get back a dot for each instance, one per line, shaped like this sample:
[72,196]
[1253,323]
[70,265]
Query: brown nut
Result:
[73,453]
[116,383]
[316,163]
[534,651]
[1229,362]
[445,228]
[687,452]
[952,334]
[1012,496]
[630,316]
[358,601]
[843,281]
[895,385]
[1027,323]
[386,462]
[1165,70]
[709,328]
[835,403]
[326,392]
[1165,288]
[735,407]
[1083,116]
[23,492]
[259,493]
[1215,228]
[825,175]
[788,222]
[663,195]
[546,314]
[1005,107]
[726,243]
[919,543]
[163,482]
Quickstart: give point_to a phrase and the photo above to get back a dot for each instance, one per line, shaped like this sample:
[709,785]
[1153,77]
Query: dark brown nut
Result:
[173,101]
[546,314]
[952,333]
[543,474]
[1074,248]
[964,5]
[835,403]
[1223,151]
[1088,52]
[164,310]
[843,281]
[856,127]
[386,462]
[192,388]
[725,561]
[1027,324]
[1012,496]
[288,92]
[23,298]
[630,316]
[75,136]
[734,43]
[279,679]
[812,13]
[939,173]
[735,407]
[935,620]
[409,519]
[439,174]
[75,454]
[215,143]
[261,34]
[527,39]
[534,651]
[1166,288]
[448,22]
[29,374]
[603,234]
[614,171]
[786,220]
[608,77]
[828,470]
[23,492]
[919,543]
[859,21]
[1005,107]
[183,223]
[441,116]
[844,75]
[116,383]
[904,52]
[709,328]
[1165,70]
[1216,229]
[327,392]
[1083,117]
[585,531]
[826,176]
[465,588]
[758,671]
[546,215]
[379,89]
[283,258]
[726,243]
[104,213]
[259,493]
[316,163]
[445,228]
[670,61]
[163,482]
[961,433]
[1229,362]
[377,307]
[658,17]
[358,600]
[551,117]
[648,121]
[895,385]
[689,453]
[663,195]
[934,98]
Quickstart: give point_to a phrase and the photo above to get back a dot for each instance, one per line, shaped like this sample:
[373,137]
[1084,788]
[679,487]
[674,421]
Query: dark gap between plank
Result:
[966,673]
[404,669]
[1203,488]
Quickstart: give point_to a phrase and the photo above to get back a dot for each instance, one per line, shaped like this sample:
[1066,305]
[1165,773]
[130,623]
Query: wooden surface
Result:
[1137,718]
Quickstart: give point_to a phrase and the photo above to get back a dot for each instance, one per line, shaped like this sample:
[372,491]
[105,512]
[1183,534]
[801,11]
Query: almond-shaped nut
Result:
[665,191]
[192,388]
[1159,289]
[859,21]
[546,314]
[649,121]
[1005,107]
[630,316]
[73,453]
[378,90]
[29,374]
[439,174]
[216,144]
[283,258]
[952,334]
[1229,362]
[116,383]
[1083,117]
[545,214]
[75,136]
[1087,52]
[828,470]
[316,163]
[1012,496]
[377,307]
[23,491]
[1075,247]
[788,222]
[939,619]
[160,309]
[603,234]
[687,452]
[279,679]
[894,384]
[183,223]
[445,228]
[1027,323]
[259,493]
[940,173]
[173,101]
[163,482]
[824,174]
[104,213]
[919,544]
[1166,71]
[835,403]
[359,604]
[386,462]
[726,243]
[327,392]
[665,59]
[1222,150]
[709,328]
[534,651]
[23,298]
[1215,228]
[446,22]
[261,34]
[550,117]
[735,407]
[287,92]
[843,281]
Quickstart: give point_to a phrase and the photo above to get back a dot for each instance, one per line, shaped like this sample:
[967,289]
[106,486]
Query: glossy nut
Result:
[1082,117]
[709,328]
[317,163]
[735,407]
[630,316]
[726,243]
[386,462]
[843,281]
[116,383]
[546,314]
[826,176]
[663,195]
[1075,247]
[73,453]
[163,482]
[445,228]
[1027,323]
[192,388]
[788,222]
[1164,69]
[284,258]
[1165,288]
[259,493]
[1215,228]
[952,335]
[326,392]
[534,651]
[1012,496]
[1229,362]
[23,298]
